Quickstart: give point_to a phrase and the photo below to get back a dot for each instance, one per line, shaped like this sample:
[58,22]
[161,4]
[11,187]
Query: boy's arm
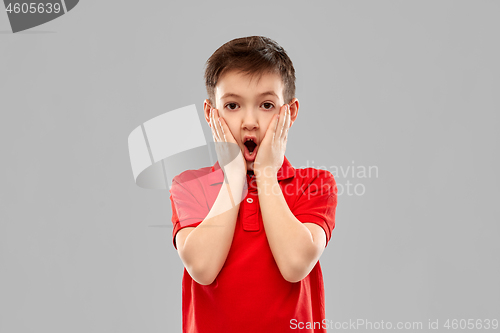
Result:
[204,249]
[296,246]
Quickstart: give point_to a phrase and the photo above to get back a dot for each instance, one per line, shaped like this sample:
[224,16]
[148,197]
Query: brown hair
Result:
[253,55]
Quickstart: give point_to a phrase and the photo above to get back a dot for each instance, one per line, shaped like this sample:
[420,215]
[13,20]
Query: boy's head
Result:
[253,56]
[237,75]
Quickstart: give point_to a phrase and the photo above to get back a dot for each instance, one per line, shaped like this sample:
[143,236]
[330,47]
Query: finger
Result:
[214,126]
[287,122]
[210,121]
[224,127]
[281,123]
[277,119]
[223,130]
[220,130]
[273,127]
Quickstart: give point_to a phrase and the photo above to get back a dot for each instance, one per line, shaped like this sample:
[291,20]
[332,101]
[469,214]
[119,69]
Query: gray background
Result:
[408,86]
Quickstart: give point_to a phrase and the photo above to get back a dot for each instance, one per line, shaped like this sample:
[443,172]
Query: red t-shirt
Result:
[249,294]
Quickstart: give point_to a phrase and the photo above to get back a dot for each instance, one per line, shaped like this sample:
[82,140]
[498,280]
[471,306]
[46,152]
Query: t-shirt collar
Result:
[286,171]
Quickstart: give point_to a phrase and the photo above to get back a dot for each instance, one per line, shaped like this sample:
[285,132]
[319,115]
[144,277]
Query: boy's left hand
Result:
[271,153]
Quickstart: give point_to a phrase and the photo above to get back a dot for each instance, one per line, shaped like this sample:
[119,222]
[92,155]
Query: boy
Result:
[250,229]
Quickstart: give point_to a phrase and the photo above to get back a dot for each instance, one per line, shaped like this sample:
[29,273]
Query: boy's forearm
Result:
[290,240]
[206,247]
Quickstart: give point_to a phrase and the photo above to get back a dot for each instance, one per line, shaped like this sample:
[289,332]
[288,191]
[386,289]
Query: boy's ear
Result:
[206,109]
[294,110]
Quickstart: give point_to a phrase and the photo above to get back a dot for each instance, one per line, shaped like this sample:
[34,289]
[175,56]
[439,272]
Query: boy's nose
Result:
[250,120]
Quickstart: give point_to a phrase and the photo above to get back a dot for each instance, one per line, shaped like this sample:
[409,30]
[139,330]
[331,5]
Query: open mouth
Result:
[250,144]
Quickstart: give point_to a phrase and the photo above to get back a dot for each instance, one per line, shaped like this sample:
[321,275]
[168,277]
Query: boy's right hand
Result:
[229,154]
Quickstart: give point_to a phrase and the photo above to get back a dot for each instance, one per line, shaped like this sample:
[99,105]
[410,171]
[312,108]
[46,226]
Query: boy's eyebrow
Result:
[270,92]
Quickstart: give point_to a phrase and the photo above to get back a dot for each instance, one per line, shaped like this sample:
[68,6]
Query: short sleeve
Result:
[189,205]
[317,200]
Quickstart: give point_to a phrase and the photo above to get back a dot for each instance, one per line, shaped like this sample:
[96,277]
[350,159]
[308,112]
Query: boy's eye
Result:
[268,106]
[231,106]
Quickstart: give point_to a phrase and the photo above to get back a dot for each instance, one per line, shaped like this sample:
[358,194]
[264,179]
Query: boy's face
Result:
[248,106]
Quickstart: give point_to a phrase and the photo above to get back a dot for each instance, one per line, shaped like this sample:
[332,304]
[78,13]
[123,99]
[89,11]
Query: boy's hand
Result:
[226,146]
[271,153]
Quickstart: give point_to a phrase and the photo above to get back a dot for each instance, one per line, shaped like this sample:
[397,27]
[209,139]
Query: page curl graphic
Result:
[172,143]
[24,14]
[164,136]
